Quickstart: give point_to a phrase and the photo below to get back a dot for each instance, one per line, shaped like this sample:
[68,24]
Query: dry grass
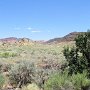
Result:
[34,52]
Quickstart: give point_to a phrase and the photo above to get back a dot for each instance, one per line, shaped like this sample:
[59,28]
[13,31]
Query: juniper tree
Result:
[78,57]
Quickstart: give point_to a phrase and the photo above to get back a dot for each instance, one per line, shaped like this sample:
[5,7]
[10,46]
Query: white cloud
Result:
[29,28]
[36,31]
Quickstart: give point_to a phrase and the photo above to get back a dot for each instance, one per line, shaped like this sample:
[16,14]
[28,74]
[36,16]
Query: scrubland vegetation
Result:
[64,66]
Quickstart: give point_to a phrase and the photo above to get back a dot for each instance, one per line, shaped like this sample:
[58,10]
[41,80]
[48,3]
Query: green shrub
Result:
[2,81]
[62,81]
[7,54]
[80,81]
[58,81]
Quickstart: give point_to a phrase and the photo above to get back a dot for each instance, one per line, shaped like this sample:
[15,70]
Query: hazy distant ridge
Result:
[69,37]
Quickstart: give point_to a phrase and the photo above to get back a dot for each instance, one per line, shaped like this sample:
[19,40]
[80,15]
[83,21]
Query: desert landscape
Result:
[27,65]
[44,55]
[44,44]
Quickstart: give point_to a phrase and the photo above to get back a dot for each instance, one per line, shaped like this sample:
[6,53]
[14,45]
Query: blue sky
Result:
[43,19]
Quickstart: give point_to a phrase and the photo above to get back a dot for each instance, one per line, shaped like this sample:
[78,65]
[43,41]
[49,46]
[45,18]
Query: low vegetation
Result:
[22,73]
[64,66]
[63,81]
[2,80]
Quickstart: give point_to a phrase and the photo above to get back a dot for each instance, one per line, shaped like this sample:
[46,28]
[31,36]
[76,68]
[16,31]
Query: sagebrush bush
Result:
[22,73]
[41,76]
[30,87]
[4,67]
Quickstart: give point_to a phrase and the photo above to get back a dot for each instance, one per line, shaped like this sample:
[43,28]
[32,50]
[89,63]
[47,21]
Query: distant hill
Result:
[17,41]
[21,40]
[70,37]
[10,39]
[67,38]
